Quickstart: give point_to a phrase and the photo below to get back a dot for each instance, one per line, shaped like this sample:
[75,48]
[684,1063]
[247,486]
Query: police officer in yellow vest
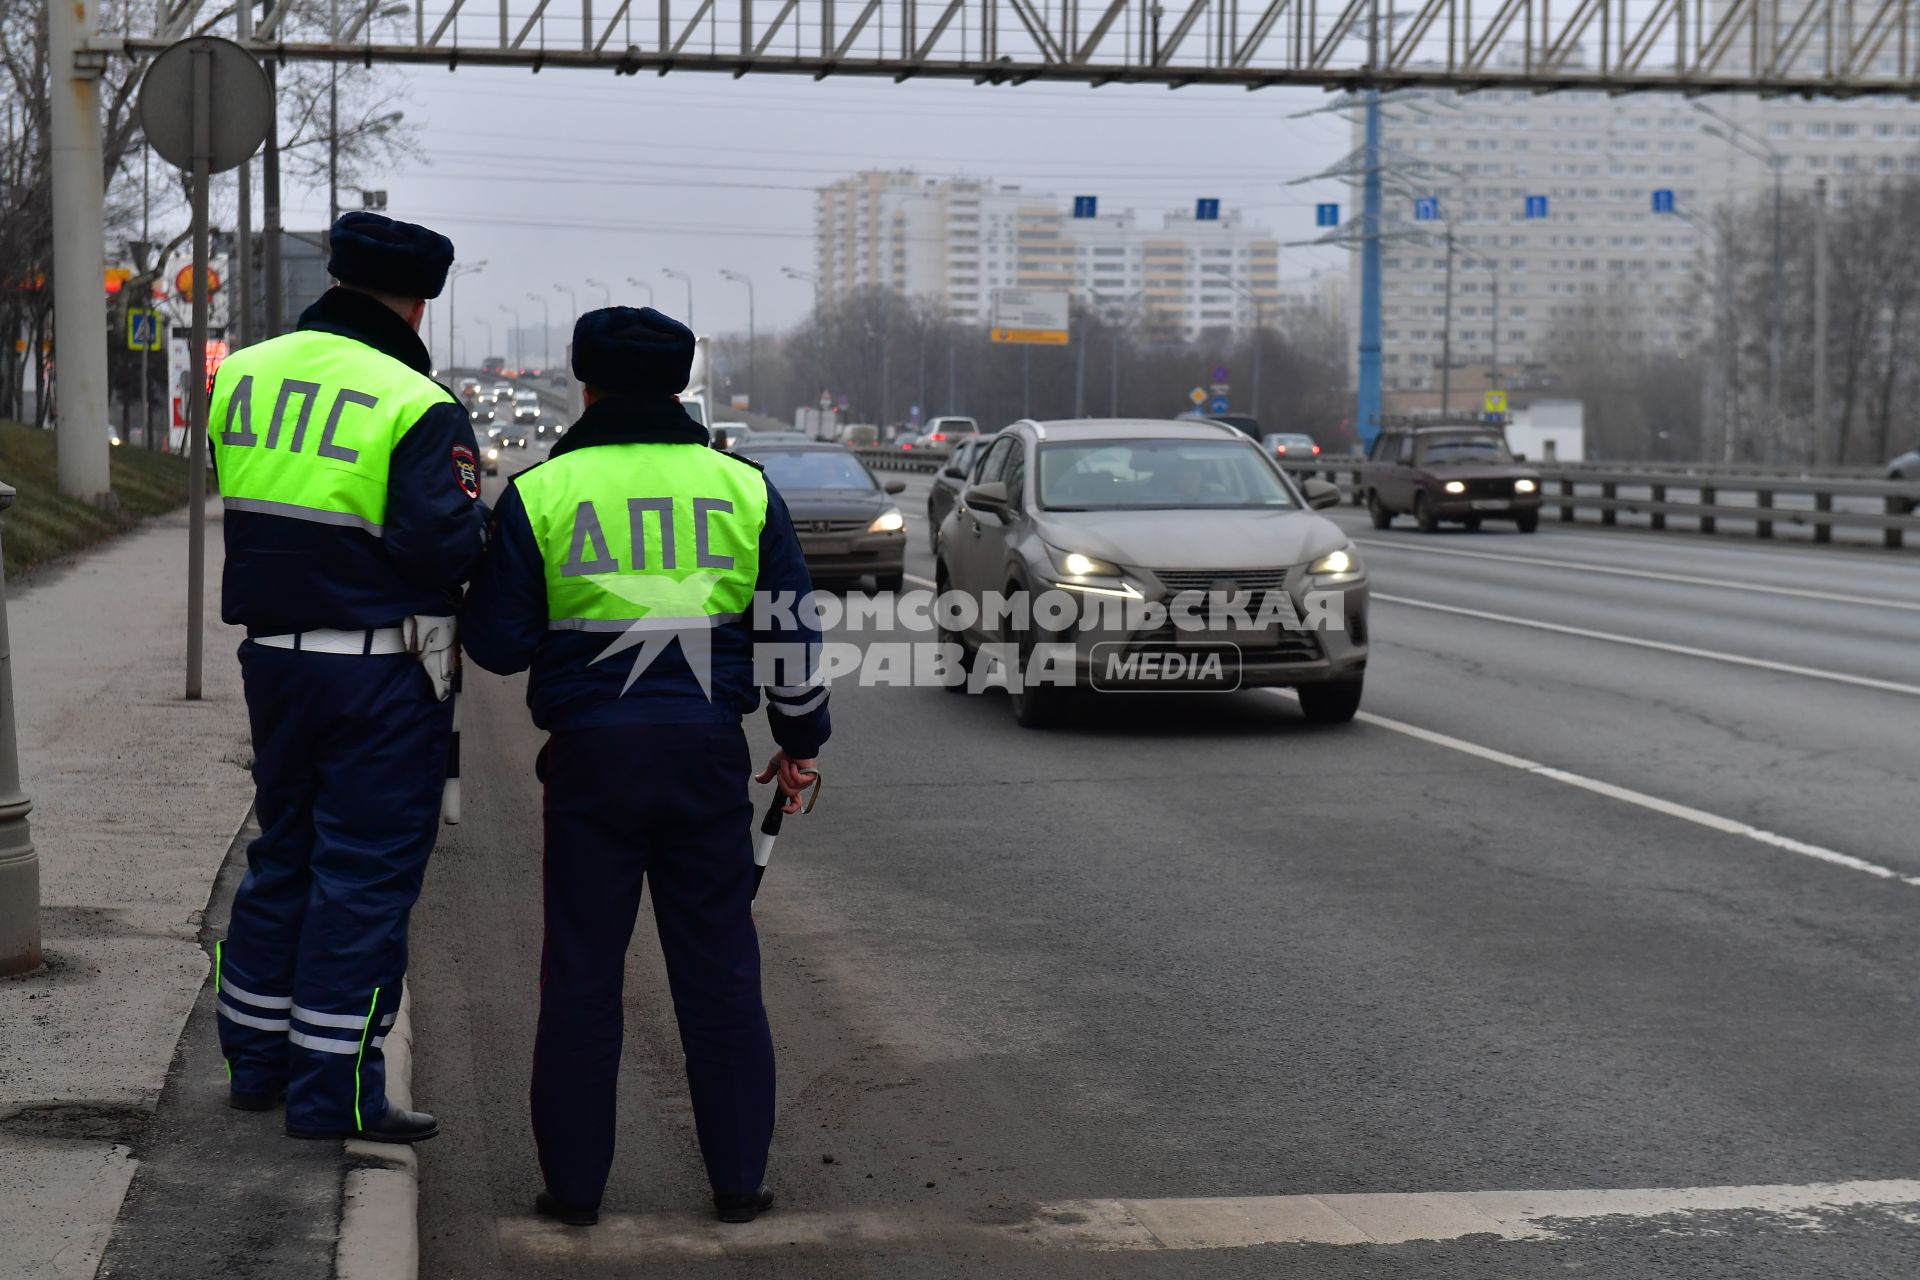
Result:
[351,485]
[626,570]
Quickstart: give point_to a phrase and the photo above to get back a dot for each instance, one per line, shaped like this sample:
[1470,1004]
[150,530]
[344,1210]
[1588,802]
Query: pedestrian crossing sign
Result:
[143,330]
[1496,402]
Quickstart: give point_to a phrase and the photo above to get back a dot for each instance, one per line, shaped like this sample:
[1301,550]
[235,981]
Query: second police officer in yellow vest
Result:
[624,570]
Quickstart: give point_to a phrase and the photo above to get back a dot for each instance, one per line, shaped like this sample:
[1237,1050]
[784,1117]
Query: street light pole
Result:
[19,865]
[572,300]
[1823,452]
[606,294]
[642,284]
[740,277]
[453,314]
[546,331]
[681,275]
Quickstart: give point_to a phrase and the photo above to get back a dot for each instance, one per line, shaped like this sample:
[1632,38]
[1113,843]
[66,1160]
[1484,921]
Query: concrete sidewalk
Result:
[136,795]
[138,800]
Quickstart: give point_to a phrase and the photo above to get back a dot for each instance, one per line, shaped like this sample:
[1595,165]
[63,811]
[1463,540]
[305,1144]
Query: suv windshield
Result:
[794,469]
[1142,475]
[1477,447]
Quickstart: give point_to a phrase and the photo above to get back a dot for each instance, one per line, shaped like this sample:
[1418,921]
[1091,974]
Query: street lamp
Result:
[740,277]
[681,275]
[795,273]
[573,301]
[606,294]
[546,331]
[642,284]
[453,317]
[1753,144]
[519,356]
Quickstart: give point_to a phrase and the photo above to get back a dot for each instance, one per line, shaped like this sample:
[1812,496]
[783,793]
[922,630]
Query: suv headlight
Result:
[1343,563]
[888,521]
[1078,565]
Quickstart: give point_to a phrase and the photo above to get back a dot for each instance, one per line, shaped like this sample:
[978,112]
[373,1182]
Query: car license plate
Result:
[1246,637]
[826,546]
[1490,504]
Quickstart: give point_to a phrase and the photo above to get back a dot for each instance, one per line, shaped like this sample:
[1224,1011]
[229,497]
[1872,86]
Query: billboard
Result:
[1030,316]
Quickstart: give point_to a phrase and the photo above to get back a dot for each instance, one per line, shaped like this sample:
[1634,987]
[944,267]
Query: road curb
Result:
[379,1215]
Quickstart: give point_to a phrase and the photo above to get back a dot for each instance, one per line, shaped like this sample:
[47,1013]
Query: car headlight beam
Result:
[888,521]
[1337,563]
[1080,565]
[1455,486]
[1525,486]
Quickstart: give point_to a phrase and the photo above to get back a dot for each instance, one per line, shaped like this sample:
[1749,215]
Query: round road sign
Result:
[239,103]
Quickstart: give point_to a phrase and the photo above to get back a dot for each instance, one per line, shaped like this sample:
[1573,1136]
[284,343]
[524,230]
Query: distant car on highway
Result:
[730,435]
[948,482]
[501,391]
[1291,447]
[493,364]
[1463,474]
[490,458]
[482,414]
[1905,467]
[469,390]
[526,405]
[848,524]
[512,438]
[1165,512]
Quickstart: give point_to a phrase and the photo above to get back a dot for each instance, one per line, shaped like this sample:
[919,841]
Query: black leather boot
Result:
[397,1125]
[548,1205]
[742,1206]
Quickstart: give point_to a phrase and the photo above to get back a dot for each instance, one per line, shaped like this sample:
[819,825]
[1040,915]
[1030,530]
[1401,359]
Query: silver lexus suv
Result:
[1126,555]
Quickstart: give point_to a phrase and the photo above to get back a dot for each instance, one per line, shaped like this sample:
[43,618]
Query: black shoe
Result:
[241,1100]
[397,1125]
[548,1205]
[742,1206]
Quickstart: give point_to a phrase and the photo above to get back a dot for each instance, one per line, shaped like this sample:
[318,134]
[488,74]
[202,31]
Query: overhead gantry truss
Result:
[1836,48]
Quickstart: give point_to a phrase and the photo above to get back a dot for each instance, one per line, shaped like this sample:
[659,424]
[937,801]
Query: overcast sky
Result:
[569,175]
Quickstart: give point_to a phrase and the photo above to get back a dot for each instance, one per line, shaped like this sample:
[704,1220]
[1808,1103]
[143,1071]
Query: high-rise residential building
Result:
[958,240]
[1601,261]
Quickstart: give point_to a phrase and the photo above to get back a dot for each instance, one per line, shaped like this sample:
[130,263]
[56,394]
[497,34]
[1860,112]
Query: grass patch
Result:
[43,524]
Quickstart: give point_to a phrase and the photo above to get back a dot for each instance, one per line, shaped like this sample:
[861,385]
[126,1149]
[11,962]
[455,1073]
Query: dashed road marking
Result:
[1640,799]
[1663,646]
[1651,575]
[1231,1222]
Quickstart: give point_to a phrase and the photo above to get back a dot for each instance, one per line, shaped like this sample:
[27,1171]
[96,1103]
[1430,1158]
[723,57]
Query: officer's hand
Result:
[795,777]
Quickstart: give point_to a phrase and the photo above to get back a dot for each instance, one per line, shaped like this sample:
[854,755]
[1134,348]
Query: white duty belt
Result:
[368,640]
[430,639]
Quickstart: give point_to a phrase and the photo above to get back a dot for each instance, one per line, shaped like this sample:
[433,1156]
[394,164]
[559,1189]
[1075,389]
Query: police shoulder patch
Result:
[466,470]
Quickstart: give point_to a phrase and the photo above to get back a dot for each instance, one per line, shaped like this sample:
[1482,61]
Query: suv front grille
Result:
[1256,580]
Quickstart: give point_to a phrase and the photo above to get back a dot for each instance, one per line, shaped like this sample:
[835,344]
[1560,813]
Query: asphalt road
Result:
[1612,887]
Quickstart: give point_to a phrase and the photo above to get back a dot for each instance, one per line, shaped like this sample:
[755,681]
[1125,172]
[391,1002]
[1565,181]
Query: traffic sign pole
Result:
[197,370]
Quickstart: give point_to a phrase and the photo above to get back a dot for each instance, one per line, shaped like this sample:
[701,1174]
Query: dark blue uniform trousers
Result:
[665,804]
[350,755]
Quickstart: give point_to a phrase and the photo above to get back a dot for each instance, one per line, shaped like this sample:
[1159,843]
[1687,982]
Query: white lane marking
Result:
[1685,650]
[1684,579]
[1640,799]
[1230,1222]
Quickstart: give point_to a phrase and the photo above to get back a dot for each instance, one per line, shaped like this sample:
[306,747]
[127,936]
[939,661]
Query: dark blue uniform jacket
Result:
[577,682]
[284,574]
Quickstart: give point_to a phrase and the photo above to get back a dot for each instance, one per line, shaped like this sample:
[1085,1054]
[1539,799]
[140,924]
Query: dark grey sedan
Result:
[849,525]
[949,482]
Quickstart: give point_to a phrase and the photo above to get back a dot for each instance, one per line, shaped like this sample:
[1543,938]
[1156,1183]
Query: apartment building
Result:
[958,240]
[1600,259]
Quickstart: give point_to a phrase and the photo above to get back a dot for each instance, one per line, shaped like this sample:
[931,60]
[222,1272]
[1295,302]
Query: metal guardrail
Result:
[901,459]
[1821,503]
